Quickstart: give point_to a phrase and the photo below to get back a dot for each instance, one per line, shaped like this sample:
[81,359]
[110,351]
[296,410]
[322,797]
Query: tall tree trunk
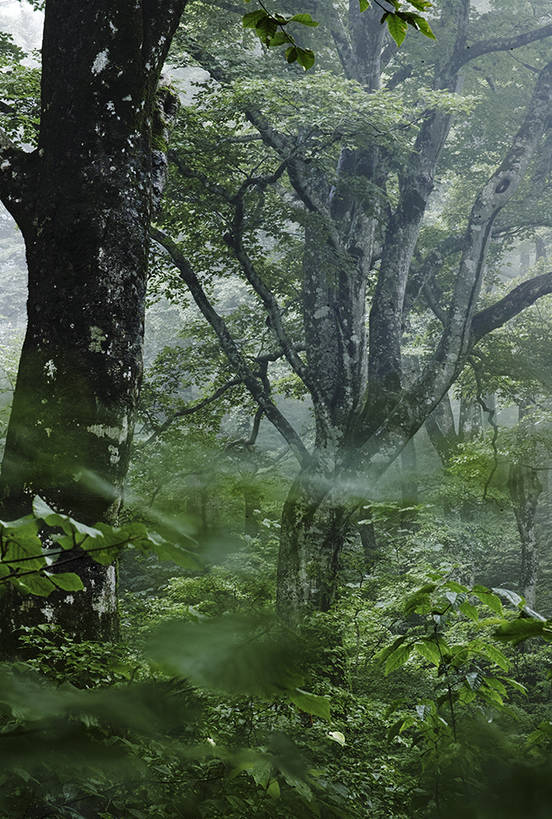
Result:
[84,209]
[525,489]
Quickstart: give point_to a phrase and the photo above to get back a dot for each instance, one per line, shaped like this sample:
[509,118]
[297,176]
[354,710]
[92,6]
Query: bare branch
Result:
[190,410]
[234,355]
[517,300]
[472,52]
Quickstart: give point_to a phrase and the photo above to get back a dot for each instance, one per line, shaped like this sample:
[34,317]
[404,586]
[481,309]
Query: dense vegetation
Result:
[301,566]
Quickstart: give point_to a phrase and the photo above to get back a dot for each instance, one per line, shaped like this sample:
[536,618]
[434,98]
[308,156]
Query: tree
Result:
[83,200]
[361,210]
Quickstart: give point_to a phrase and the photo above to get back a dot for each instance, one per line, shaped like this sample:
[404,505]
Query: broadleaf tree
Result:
[83,199]
[358,202]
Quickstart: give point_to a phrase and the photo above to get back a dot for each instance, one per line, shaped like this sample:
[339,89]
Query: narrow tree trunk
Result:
[251,501]
[367,532]
[525,489]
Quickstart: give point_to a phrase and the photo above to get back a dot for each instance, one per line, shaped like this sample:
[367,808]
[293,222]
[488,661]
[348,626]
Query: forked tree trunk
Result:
[84,203]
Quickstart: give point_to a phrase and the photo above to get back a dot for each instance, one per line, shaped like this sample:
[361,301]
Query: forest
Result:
[276,409]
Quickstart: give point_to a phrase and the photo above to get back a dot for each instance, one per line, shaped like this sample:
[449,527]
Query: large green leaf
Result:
[304,19]
[486,596]
[397,658]
[233,653]
[523,628]
[67,581]
[429,650]
[397,27]
[310,703]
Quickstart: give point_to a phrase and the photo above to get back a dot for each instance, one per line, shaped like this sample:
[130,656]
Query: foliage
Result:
[28,552]
[272,28]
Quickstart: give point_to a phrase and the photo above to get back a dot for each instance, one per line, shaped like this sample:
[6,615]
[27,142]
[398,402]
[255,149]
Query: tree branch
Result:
[501,44]
[514,302]
[498,190]
[235,241]
[235,357]
[190,410]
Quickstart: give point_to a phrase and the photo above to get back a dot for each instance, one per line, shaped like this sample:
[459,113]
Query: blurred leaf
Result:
[523,628]
[234,653]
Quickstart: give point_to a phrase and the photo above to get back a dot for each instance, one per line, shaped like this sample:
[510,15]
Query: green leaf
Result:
[421,5]
[304,19]
[494,654]
[273,789]
[429,651]
[456,587]
[521,629]
[487,597]
[305,57]
[517,686]
[397,28]
[279,39]
[234,653]
[364,4]
[173,552]
[68,581]
[397,659]
[496,685]
[310,703]
[252,18]
[266,29]
[468,610]
[425,28]
[291,54]
[419,603]
[34,584]
[105,549]
[382,655]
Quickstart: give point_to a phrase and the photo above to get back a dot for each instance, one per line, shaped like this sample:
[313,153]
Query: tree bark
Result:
[525,489]
[86,199]
[315,519]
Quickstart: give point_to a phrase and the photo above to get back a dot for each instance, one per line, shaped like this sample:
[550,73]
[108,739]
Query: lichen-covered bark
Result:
[315,520]
[95,178]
